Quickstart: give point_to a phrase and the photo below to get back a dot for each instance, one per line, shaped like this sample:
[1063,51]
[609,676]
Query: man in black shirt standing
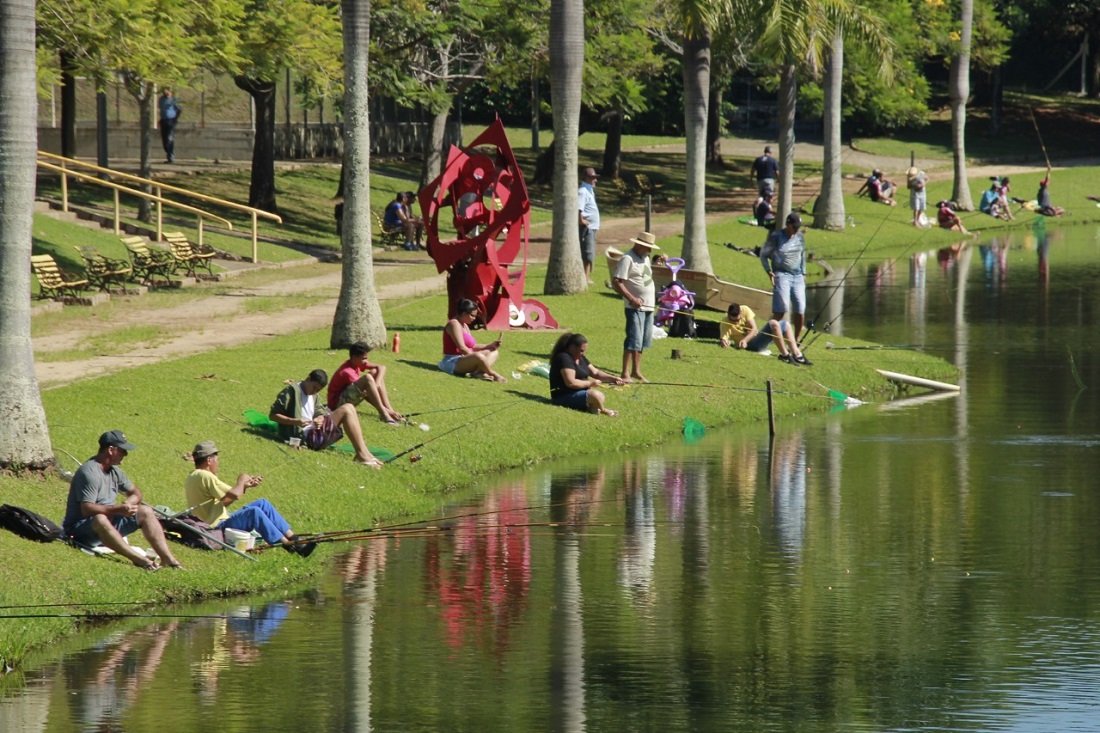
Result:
[766,170]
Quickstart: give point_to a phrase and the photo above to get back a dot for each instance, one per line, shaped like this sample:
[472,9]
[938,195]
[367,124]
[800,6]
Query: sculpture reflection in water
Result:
[481,570]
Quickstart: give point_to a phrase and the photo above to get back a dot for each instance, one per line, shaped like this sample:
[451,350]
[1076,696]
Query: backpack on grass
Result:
[28,524]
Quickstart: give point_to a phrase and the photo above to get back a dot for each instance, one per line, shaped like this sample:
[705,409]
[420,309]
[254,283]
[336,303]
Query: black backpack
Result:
[28,524]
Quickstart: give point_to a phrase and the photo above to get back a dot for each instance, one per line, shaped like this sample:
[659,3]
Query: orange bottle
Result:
[397,343]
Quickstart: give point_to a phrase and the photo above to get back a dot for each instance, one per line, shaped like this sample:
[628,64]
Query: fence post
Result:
[771,412]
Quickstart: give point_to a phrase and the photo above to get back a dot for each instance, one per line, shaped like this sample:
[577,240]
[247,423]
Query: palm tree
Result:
[565,271]
[24,436]
[960,91]
[358,315]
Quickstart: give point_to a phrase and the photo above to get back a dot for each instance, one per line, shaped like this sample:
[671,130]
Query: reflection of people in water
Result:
[639,547]
[237,640]
[788,487]
[481,570]
[106,680]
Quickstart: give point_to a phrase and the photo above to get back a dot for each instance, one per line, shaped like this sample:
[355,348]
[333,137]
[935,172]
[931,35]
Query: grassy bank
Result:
[168,407]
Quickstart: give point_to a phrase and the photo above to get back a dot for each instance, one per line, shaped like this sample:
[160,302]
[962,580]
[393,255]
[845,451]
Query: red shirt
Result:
[347,374]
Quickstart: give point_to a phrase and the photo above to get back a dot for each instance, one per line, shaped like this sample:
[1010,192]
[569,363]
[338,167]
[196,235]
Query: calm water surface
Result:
[923,566]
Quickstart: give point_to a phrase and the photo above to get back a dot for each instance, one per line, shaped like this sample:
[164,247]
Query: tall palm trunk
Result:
[788,100]
[960,92]
[696,97]
[358,314]
[565,271]
[24,437]
[261,190]
[829,209]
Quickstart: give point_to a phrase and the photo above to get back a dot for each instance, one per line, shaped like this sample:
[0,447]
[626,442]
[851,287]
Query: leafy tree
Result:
[274,35]
[24,435]
[565,271]
[358,315]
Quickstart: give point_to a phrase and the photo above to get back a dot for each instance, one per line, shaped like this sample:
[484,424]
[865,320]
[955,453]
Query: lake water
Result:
[931,565]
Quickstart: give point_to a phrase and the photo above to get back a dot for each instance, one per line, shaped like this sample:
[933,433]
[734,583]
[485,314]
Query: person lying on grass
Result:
[300,415]
[93,515]
[357,379]
[739,329]
[573,379]
[210,497]
[462,354]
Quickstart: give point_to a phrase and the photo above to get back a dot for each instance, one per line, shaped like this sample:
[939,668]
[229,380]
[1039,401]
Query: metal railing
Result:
[65,167]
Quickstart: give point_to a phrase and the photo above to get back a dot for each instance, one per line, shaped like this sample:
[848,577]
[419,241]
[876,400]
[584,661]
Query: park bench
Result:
[103,272]
[189,255]
[390,238]
[148,264]
[53,282]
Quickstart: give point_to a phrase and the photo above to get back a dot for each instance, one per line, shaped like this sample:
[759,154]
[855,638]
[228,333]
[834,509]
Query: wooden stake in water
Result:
[771,412]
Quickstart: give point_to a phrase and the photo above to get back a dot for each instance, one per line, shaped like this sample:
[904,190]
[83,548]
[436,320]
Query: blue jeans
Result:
[789,293]
[84,530]
[639,330]
[261,516]
[763,338]
[576,399]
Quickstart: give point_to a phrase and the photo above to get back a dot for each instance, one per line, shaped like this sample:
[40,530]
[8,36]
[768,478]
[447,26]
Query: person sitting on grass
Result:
[299,415]
[878,188]
[764,209]
[739,329]
[357,379]
[93,516]
[573,379]
[948,219]
[1043,198]
[462,354]
[209,498]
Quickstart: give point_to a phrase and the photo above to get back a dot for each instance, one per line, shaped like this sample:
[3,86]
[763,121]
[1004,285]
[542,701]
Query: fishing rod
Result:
[455,409]
[466,424]
[164,516]
[841,281]
[1039,135]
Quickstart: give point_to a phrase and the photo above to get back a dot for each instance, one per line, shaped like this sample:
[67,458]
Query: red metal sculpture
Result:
[487,198]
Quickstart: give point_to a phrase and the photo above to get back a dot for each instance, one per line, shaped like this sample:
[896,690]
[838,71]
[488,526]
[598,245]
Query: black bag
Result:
[707,329]
[28,524]
[682,326]
[193,532]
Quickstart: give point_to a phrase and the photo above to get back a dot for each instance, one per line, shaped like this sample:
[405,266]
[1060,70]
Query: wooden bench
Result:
[391,238]
[53,282]
[190,256]
[148,264]
[103,272]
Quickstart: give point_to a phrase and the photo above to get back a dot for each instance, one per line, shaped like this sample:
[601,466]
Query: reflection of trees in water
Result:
[481,570]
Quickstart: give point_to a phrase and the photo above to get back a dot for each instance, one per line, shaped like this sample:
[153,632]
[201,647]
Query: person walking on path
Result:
[589,219]
[169,116]
[784,259]
[766,170]
[93,516]
[633,279]
[211,497]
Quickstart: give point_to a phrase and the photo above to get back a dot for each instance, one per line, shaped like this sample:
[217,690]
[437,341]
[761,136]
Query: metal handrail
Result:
[255,213]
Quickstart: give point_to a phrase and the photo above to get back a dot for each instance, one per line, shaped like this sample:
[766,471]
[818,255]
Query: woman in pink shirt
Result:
[461,353]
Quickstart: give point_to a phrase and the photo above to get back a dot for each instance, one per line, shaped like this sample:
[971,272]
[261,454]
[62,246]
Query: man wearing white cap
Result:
[589,215]
[633,280]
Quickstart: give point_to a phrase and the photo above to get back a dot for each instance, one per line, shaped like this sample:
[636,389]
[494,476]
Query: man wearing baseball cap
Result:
[589,215]
[784,259]
[633,280]
[93,515]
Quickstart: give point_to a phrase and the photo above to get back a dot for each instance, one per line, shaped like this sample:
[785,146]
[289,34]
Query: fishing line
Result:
[455,409]
[448,432]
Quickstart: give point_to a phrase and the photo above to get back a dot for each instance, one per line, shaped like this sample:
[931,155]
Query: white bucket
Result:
[242,541]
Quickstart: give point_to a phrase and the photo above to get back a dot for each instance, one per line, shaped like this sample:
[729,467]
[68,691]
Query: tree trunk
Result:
[535,100]
[788,101]
[714,126]
[565,271]
[959,83]
[145,100]
[613,146]
[68,105]
[996,100]
[433,148]
[829,209]
[358,314]
[24,435]
[261,191]
[696,71]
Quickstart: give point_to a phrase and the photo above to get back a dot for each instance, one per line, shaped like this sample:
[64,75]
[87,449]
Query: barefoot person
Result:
[300,415]
[462,354]
[633,280]
[92,514]
[573,379]
[211,497]
[357,379]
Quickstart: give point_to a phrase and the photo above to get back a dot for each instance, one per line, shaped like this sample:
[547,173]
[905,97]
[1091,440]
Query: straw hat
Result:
[646,240]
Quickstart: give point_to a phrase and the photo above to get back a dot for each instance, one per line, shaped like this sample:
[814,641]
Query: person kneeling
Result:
[573,378]
[739,329]
[210,497]
[299,415]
